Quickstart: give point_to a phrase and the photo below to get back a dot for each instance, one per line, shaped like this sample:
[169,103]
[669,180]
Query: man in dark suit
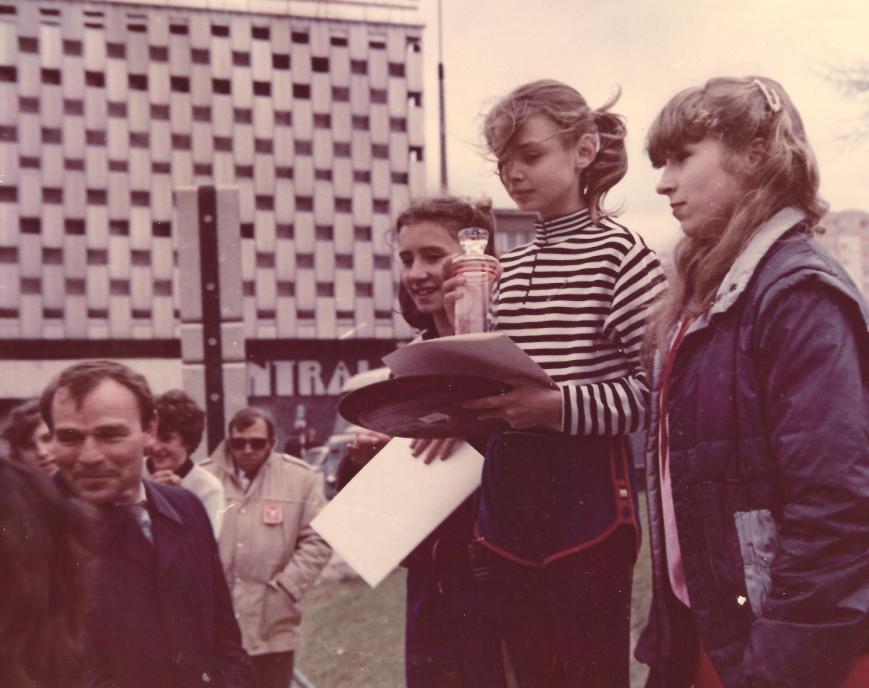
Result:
[162,615]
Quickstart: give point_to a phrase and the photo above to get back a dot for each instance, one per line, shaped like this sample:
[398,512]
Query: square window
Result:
[51,135]
[322,120]
[260,32]
[340,94]
[200,55]
[396,69]
[323,175]
[119,227]
[358,67]
[280,61]
[159,112]
[95,137]
[72,48]
[161,229]
[116,50]
[320,64]
[221,86]
[95,79]
[28,44]
[242,115]
[301,91]
[378,96]
[8,73]
[117,110]
[263,146]
[50,76]
[29,105]
[284,230]
[362,176]
[180,84]
[178,29]
[303,147]
[73,107]
[97,196]
[52,195]
[74,226]
[220,30]
[30,225]
[361,122]
[240,59]
[139,139]
[262,88]
[284,118]
[158,53]
[300,37]
[138,82]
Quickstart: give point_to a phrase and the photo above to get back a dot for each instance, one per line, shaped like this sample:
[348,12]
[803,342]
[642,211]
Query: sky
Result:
[651,49]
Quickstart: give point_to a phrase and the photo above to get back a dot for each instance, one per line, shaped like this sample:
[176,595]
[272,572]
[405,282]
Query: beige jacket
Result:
[269,552]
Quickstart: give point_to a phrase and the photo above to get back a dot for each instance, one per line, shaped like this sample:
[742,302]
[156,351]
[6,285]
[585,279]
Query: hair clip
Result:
[771,96]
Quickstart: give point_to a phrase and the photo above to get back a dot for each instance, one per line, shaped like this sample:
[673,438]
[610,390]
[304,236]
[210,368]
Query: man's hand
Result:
[165,476]
[431,448]
[527,405]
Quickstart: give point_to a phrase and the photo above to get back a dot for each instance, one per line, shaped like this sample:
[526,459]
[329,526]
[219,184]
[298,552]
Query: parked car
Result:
[344,432]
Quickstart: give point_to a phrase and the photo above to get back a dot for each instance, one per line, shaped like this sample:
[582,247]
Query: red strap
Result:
[665,381]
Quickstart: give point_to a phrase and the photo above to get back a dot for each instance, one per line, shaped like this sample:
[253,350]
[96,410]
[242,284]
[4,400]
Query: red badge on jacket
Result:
[273,513]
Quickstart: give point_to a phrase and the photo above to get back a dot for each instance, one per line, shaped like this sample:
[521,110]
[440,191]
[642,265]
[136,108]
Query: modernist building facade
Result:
[106,108]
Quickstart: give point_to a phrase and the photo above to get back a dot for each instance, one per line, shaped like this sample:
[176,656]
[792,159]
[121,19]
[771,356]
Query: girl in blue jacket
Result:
[758,454]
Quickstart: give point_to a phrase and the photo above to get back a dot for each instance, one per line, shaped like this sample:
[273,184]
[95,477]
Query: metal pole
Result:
[442,104]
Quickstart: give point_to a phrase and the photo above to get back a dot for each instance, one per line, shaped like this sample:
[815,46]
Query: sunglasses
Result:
[256,443]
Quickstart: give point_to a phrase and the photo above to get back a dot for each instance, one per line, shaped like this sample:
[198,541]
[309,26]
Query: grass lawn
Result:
[354,636]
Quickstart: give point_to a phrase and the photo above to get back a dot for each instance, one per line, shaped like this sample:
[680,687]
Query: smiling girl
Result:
[451,636]
[558,505]
[758,457]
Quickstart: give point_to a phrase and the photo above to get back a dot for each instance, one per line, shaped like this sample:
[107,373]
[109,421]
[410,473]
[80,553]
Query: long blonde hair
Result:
[738,112]
[569,110]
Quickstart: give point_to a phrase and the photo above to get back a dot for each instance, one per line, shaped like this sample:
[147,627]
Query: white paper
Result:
[492,354]
[393,503]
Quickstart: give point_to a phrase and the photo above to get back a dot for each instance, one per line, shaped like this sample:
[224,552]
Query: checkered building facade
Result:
[107,107]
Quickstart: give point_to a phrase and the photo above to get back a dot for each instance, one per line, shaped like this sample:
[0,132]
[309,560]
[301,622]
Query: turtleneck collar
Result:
[561,228]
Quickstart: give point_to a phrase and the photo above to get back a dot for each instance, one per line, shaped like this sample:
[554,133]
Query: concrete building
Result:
[106,107]
[847,237]
[312,110]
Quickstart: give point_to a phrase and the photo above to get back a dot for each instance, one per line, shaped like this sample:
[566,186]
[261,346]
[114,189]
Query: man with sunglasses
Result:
[270,553]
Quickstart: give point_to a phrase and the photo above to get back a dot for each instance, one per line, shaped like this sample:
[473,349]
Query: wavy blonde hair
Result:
[739,113]
[566,107]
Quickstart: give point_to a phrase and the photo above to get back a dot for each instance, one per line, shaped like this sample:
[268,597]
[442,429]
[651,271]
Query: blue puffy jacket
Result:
[768,414]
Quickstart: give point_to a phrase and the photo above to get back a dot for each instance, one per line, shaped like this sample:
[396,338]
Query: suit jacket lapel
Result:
[168,529]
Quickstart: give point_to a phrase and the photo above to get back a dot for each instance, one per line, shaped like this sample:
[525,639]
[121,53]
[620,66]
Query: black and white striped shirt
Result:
[576,301]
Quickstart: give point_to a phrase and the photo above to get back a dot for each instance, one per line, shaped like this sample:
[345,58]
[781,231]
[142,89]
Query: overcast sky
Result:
[652,49]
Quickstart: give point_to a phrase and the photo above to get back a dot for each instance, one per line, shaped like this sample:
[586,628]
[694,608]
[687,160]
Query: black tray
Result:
[422,405]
